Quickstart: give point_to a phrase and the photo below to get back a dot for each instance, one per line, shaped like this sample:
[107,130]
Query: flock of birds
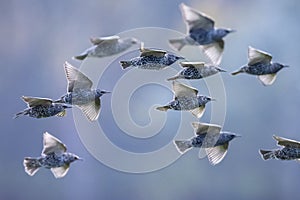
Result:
[200,32]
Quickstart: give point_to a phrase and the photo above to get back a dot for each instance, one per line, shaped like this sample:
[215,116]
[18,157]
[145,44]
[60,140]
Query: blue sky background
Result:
[37,37]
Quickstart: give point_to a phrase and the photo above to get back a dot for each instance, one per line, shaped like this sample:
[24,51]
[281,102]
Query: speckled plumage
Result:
[201,31]
[210,138]
[290,150]
[259,63]
[151,59]
[196,70]
[107,46]
[186,98]
[54,157]
[188,103]
[81,94]
[42,108]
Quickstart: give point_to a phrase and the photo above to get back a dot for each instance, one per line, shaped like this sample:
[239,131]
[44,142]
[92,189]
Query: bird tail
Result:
[24,112]
[267,154]
[80,57]
[173,78]
[177,44]
[236,72]
[163,108]
[31,165]
[125,64]
[182,145]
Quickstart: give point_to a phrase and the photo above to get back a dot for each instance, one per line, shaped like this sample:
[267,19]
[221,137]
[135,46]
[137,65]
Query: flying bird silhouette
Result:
[259,63]
[42,108]
[210,138]
[81,94]
[186,98]
[107,46]
[201,31]
[54,157]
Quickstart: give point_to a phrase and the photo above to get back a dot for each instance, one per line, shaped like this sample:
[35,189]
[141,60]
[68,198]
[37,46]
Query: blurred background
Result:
[37,37]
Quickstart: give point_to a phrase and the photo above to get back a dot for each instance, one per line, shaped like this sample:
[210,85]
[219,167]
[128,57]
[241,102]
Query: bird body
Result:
[290,150]
[151,59]
[54,157]
[42,108]
[210,138]
[196,70]
[186,98]
[79,93]
[201,32]
[259,64]
[187,103]
[107,46]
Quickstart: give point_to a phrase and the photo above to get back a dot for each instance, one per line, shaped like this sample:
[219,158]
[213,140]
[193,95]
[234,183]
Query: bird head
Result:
[230,135]
[222,32]
[173,58]
[206,99]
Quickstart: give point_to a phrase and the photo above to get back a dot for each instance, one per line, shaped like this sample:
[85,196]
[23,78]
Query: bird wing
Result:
[101,40]
[152,52]
[198,112]
[62,113]
[60,172]
[286,142]
[216,154]
[258,56]
[52,145]
[204,128]
[36,101]
[182,90]
[195,19]
[192,64]
[267,79]
[76,79]
[214,51]
[92,109]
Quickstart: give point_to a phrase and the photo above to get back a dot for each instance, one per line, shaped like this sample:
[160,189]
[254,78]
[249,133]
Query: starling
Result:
[196,70]
[42,108]
[186,98]
[210,138]
[290,150]
[152,59]
[107,46]
[259,63]
[54,157]
[79,93]
[201,31]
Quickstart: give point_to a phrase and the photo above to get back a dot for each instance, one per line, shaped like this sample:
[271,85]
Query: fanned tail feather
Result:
[125,64]
[31,165]
[182,145]
[24,112]
[177,44]
[173,78]
[80,57]
[163,108]
[267,154]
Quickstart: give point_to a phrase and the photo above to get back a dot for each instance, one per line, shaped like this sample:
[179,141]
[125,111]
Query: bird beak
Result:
[81,159]
[238,135]
[105,92]
[221,70]
[231,30]
[212,99]
[286,66]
